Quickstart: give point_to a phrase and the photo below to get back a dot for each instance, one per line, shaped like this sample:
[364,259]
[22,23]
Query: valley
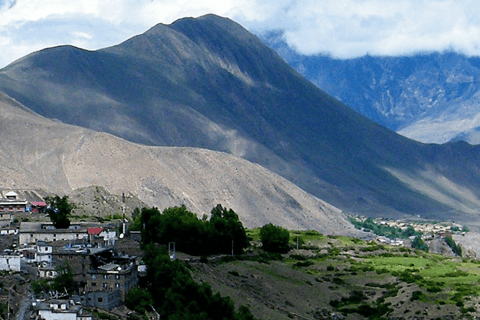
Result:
[199,113]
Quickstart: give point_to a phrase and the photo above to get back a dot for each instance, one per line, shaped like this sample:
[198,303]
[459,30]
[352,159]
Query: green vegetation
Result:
[457,249]
[221,234]
[375,281]
[274,238]
[383,230]
[62,282]
[457,229]
[419,244]
[177,295]
[59,211]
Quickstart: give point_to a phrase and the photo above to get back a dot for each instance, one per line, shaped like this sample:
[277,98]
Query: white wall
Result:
[10,262]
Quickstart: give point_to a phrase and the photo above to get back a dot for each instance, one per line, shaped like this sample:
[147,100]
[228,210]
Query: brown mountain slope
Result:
[208,83]
[41,153]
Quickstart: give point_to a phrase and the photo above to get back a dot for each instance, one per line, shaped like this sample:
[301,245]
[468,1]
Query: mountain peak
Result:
[209,83]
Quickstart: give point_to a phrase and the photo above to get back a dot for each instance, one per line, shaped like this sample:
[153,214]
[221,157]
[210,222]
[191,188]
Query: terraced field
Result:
[330,277]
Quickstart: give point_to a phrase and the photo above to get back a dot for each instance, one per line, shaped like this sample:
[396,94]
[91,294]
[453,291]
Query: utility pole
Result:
[8,303]
[157,314]
[171,251]
[123,209]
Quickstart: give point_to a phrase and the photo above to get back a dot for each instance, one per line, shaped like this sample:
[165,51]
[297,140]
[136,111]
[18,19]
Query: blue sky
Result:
[342,28]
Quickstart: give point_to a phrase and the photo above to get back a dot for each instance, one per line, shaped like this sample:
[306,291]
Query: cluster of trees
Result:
[62,282]
[457,249]
[275,238]
[418,243]
[59,210]
[383,230]
[171,291]
[223,232]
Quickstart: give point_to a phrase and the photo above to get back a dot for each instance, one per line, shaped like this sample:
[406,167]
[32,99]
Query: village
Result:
[38,250]
[104,268]
[426,230]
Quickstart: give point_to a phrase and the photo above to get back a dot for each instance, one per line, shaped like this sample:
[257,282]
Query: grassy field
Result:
[330,275]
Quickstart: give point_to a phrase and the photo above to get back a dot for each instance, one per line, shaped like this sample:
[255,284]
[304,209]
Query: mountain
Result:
[39,153]
[429,97]
[209,83]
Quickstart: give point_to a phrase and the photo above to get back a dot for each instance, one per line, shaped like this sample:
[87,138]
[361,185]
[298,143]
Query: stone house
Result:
[56,309]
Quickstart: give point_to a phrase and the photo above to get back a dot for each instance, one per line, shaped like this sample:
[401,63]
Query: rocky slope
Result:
[429,97]
[209,83]
[38,153]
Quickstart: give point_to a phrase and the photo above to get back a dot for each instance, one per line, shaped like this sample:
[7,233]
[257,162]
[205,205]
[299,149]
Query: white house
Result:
[9,262]
[61,310]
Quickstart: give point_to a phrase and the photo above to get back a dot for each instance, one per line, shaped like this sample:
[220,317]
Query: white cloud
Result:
[343,28]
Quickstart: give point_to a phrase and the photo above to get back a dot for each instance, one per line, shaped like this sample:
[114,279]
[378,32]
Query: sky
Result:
[340,28]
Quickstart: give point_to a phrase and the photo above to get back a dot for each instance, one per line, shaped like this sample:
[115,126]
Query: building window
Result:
[105,285]
[100,299]
[105,276]
[94,284]
[94,277]
[117,276]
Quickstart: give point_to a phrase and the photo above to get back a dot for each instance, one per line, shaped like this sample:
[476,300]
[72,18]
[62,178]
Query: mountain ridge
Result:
[429,97]
[227,91]
[61,158]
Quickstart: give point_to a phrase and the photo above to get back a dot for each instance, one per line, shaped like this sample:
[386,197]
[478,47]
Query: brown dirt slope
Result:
[38,153]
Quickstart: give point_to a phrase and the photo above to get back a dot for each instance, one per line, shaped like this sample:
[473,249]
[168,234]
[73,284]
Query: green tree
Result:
[140,300]
[178,296]
[418,243]
[457,249]
[40,286]
[227,230]
[274,238]
[59,211]
[64,279]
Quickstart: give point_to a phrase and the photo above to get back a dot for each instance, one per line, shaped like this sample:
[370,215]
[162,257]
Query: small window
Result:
[105,276]
[105,285]
[94,284]
[117,276]
[100,299]
[94,277]
[117,285]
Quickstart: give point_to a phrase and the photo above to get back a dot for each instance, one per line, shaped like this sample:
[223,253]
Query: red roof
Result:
[94,230]
[39,204]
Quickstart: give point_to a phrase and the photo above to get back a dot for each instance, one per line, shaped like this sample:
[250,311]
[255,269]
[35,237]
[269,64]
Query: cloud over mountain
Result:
[343,28]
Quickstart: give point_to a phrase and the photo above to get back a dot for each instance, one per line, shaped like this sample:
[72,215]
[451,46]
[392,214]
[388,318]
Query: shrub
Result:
[419,244]
[274,238]
[417,295]
[457,249]
[303,263]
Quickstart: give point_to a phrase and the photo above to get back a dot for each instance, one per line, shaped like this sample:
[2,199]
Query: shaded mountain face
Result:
[209,83]
[431,98]
[37,153]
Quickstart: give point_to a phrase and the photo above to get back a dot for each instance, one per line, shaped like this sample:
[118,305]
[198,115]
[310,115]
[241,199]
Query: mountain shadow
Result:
[209,83]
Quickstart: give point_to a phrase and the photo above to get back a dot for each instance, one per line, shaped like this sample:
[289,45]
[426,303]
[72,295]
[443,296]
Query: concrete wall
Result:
[33,237]
[10,262]
[49,315]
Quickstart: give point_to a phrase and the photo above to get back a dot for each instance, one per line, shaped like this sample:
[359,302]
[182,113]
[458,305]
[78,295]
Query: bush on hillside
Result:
[274,238]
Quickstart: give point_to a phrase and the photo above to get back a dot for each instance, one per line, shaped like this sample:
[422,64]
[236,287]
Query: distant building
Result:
[56,309]
[32,232]
[10,262]
[10,203]
[110,271]
[38,207]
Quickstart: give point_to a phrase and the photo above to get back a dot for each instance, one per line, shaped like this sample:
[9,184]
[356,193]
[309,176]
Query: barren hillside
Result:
[37,153]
